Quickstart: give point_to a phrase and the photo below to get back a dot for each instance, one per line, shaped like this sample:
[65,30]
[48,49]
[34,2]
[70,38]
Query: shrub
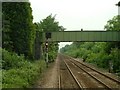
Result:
[22,77]
[115,57]
[19,72]
[11,60]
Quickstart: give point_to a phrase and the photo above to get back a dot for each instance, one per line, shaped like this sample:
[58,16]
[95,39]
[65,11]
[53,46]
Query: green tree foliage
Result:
[115,57]
[112,25]
[49,24]
[92,52]
[113,48]
[78,44]
[64,49]
[6,40]
[21,31]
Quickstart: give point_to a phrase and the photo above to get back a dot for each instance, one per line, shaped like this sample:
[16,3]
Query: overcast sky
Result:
[76,14]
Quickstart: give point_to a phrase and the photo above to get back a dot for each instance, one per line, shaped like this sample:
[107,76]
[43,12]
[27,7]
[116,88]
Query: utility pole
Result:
[46,50]
[118,4]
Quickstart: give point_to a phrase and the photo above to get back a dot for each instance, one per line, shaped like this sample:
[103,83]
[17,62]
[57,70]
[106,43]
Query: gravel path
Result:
[50,78]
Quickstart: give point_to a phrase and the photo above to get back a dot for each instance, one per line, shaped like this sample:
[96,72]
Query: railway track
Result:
[115,80]
[98,71]
[77,82]
[67,79]
[98,79]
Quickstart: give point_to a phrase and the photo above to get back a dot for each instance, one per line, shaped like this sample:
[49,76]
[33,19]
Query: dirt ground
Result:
[50,78]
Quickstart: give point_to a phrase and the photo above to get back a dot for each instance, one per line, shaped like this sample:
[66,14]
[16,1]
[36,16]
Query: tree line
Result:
[103,54]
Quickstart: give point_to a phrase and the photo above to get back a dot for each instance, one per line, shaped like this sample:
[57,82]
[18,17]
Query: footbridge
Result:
[85,36]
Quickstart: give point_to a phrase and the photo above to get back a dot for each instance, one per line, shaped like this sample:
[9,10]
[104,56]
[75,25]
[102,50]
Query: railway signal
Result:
[47,35]
[46,53]
[46,45]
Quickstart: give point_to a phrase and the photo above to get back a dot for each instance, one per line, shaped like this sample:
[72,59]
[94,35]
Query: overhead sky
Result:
[76,14]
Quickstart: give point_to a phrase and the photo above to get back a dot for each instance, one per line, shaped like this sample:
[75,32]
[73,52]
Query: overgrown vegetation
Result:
[99,53]
[21,44]
[17,72]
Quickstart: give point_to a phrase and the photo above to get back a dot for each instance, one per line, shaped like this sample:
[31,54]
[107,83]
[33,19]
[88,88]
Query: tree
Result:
[112,25]
[22,33]
[78,44]
[112,48]
[48,25]
[6,41]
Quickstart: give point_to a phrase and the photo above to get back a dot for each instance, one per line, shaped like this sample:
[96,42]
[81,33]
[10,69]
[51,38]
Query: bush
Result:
[115,57]
[11,60]
[24,76]
[100,59]
[19,72]
[92,58]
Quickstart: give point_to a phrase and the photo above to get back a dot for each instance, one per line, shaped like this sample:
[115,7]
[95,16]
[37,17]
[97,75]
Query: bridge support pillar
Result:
[38,47]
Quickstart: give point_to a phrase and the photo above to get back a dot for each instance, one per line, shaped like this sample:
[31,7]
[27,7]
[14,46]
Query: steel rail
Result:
[93,76]
[96,70]
[100,72]
[59,84]
[68,57]
[79,84]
